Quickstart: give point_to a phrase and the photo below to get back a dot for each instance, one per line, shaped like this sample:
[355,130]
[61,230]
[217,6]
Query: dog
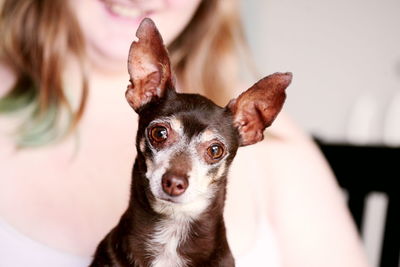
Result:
[185,144]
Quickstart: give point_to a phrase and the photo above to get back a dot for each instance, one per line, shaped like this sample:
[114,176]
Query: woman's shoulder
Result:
[302,191]
[288,157]
[287,139]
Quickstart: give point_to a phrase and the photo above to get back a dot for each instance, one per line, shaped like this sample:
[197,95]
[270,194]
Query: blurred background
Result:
[345,57]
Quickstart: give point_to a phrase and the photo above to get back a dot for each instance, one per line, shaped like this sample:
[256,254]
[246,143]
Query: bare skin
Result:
[69,201]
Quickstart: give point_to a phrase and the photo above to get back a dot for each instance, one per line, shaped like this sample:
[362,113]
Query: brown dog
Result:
[185,145]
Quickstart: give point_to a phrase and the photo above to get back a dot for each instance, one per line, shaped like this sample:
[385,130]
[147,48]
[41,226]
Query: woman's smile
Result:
[132,10]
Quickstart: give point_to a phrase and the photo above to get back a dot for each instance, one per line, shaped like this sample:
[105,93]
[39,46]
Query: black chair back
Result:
[361,170]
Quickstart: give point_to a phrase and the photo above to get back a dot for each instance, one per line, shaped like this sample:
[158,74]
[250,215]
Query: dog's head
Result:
[187,141]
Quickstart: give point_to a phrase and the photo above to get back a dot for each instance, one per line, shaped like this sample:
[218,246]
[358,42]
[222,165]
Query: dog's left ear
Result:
[148,66]
[256,109]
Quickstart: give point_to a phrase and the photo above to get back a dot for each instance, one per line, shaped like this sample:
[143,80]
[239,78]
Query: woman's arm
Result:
[307,208]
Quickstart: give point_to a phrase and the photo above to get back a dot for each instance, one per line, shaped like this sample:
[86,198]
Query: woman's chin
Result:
[106,61]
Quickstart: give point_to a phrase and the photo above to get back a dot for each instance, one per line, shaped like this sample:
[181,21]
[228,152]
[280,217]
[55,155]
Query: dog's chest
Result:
[164,243]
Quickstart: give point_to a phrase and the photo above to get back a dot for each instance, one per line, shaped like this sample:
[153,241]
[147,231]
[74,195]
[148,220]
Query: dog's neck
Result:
[176,238]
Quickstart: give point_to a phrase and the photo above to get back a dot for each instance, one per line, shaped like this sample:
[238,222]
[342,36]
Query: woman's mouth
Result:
[125,9]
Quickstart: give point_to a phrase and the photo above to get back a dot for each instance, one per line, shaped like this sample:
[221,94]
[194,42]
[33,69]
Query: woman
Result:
[63,73]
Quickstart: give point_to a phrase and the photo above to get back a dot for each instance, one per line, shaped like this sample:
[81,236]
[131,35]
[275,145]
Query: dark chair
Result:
[361,170]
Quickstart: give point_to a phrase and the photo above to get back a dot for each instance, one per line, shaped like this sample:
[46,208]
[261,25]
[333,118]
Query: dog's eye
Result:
[158,134]
[215,151]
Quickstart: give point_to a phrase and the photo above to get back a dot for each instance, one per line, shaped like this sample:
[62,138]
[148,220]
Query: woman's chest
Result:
[71,201]
[68,196]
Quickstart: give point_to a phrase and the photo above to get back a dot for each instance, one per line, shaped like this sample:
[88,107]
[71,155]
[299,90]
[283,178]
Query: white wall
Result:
[338,52]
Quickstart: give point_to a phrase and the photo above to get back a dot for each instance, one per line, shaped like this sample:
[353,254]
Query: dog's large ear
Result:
[148,66]
[255,109]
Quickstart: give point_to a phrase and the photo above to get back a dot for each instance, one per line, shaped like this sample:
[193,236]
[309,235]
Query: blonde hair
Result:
[36,36]
[205,55]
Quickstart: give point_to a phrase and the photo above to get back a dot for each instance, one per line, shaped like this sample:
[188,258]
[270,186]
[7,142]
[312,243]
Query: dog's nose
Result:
[174,185]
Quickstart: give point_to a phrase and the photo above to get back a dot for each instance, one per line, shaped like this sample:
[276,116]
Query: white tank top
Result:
[18,250]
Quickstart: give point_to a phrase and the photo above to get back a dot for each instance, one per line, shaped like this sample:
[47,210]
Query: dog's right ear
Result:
[148,66]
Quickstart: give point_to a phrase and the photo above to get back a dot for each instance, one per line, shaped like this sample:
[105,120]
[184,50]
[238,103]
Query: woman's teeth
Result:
[125,11]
